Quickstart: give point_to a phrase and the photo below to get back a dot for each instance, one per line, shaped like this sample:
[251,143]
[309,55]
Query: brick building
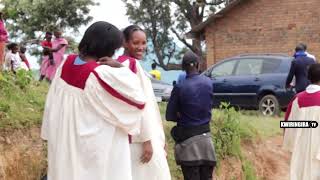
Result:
[261,26]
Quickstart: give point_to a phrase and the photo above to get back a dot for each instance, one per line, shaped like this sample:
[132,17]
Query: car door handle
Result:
[257,79]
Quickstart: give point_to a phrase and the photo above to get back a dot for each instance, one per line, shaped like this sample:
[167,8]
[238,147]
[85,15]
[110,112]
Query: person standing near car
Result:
[299,69]
[304,143]
[307,53]
[190,107]
[155,72]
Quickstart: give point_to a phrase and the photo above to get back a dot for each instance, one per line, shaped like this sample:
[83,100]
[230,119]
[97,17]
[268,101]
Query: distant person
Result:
[308,54]
[299,70]
[190,106]
[47,57]
[59,46]
[22,54]
[154,72]
[174,83]
[3,40]
[90,110]
[13,61]
[148,155]
[304,143]
[47,46]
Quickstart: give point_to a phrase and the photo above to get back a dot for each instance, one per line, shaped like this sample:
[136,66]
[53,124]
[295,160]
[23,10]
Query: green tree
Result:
[187,14]
[154,16]
[26,19]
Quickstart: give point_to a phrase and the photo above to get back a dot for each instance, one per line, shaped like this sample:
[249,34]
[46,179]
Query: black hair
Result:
[48,33]
[23,49]
[11,45]
[174,83]
[190,59]
[153,65]
[304,46]
[128,31]
[100,39]
[299,47]
[314,73]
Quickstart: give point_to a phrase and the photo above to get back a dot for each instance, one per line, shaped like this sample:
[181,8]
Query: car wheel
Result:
[269,105]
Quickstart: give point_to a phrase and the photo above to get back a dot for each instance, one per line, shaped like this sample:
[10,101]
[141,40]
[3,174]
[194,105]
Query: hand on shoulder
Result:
[109,62]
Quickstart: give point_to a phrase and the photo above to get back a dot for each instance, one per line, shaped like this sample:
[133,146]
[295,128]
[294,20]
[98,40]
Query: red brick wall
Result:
[261,26]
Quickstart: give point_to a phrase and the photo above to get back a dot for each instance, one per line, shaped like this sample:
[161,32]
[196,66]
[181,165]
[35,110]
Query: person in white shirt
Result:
[13,61]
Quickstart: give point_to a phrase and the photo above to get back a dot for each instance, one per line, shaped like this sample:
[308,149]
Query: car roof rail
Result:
[264,54]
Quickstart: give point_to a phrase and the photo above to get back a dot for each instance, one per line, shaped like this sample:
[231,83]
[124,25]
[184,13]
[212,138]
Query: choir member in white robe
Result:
[144,168]
[304,143]
[90,110]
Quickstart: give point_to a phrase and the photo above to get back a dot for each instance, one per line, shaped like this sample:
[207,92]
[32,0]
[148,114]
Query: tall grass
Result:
[229,127]
[22,153]
[21,100]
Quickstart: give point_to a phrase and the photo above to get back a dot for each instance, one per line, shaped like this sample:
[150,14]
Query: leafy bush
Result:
[226,131]
[23,78]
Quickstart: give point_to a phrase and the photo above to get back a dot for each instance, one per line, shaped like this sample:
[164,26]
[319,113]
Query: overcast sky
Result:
[112,11]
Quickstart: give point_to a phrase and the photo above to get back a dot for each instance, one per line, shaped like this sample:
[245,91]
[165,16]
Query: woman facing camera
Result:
[148,156]
[91,109]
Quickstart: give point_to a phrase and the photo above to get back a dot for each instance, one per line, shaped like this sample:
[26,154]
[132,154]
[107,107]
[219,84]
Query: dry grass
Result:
[22,155]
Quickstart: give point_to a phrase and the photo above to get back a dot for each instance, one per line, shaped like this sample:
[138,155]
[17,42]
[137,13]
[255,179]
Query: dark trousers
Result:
[197,172]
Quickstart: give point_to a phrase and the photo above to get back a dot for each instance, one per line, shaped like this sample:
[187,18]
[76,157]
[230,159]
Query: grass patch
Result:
[229,127]
[249,172]
[21,101]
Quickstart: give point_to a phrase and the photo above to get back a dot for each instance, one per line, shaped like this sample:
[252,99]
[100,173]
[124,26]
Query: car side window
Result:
[249,67]
[223,69]
[270,65]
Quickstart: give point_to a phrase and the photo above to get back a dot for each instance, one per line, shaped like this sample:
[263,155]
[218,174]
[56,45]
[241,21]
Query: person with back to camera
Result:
[299,69]
[190,107]
[92,105]
[304,143]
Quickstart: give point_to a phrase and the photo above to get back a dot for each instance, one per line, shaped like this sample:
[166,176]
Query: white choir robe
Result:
[151,129]
[89,112]
[304,143]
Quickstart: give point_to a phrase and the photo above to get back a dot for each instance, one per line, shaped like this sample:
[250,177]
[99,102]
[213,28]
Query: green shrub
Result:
[249,172]
[226,131]
[23,78]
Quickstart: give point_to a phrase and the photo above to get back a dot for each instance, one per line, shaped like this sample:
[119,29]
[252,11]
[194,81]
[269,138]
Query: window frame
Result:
[221,63]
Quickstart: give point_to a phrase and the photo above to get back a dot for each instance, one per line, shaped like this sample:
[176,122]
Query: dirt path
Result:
[23,152]
[270,161]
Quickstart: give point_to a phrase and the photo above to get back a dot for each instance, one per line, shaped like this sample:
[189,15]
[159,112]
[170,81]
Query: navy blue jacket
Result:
[190,103]
[299,69]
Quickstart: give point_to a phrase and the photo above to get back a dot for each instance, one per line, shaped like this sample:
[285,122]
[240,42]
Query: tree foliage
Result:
[154,16]
[26,18]
[161,18]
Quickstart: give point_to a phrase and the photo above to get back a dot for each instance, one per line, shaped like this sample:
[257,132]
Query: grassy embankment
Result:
[21,107]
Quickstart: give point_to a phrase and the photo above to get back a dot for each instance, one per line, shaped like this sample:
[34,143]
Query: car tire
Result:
[269,105]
